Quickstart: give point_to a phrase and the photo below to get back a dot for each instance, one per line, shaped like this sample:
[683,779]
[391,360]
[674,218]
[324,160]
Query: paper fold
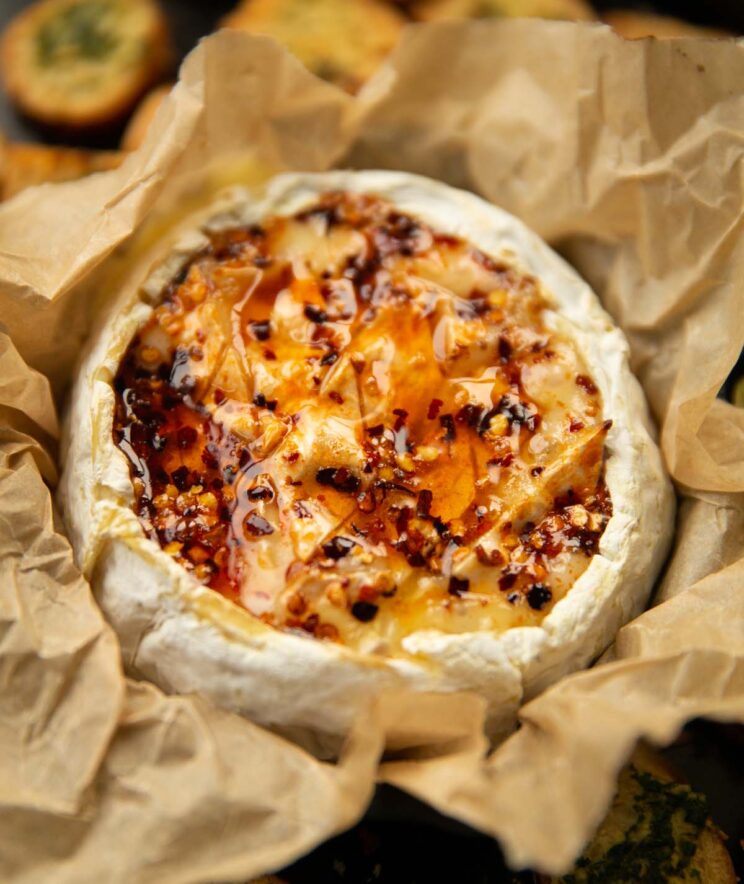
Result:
[627,156]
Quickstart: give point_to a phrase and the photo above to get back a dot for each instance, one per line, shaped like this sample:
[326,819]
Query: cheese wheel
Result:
[360,430]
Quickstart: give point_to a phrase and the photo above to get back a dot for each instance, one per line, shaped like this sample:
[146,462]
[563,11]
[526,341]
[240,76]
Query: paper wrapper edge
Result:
[575,131]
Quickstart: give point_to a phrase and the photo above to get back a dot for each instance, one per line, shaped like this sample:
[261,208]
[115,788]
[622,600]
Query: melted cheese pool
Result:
[357,428]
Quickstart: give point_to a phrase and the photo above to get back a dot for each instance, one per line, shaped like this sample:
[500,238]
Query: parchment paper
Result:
[628,157]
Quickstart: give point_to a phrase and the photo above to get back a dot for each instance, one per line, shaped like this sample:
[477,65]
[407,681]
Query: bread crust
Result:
[436,10]
[143,115]
[81,65]
[339,41]
[25,165]
[186,637]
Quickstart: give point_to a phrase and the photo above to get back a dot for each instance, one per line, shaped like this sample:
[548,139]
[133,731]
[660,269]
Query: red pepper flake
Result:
[327,631]
[366,501]
[315,314]
[575,425]
[260,329]
[377,430]
[470,414]
[423,506]
[336,397]
[292,457]
[339,478]
[400,418]
[507,579]
[492,558]
[179,477]
[434,407]
[330,357]
[586,383]
[296,603]
[535,471]
[257,526]
[504,349]
[186,437]
[338,547]
[311,623]
[260,492]
[269,354]
[301,510]
[458,585]
[219,396]
[364,611]
[538,595]
[368,593]
[447,421]
[504,460]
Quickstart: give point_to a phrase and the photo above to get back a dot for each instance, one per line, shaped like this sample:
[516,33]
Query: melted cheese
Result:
[359,428]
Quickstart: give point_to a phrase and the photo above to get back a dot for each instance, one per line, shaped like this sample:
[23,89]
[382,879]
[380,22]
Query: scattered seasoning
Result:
[517,412]
[493,557]
[186,436]
[338,547]
[296,603]
[538,595]
[300,510]
[257,526]
[458,585]
[315,314]
[400,418]
[260,329]
[188,469]
[364,611]
[339,478]
[423,505]
[508,579]
[504,349]
[575,425]
[434,407]
[586,384]
[448,423]
[260,492]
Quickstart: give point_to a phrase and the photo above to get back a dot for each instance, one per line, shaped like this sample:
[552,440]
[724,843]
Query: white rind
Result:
[187,638]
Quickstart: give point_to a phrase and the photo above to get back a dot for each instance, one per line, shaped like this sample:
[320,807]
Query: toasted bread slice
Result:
[655,824]
[82,64]
[634,25]
[434,10]
[338,40]
[138,125]
[24,165]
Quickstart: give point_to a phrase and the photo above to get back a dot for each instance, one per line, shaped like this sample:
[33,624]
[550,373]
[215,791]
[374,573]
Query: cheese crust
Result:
[327,611]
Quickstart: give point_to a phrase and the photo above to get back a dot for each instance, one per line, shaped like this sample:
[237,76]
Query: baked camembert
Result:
[367,429]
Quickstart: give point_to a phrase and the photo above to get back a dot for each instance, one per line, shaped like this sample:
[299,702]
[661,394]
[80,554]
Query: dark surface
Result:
[401,840]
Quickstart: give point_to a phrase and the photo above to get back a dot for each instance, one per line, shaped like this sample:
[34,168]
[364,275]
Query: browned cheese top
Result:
[356,428]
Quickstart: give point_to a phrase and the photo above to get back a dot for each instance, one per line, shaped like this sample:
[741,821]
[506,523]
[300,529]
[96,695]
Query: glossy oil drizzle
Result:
[357,428]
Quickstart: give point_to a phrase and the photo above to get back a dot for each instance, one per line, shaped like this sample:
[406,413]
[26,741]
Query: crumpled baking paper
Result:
[627,156]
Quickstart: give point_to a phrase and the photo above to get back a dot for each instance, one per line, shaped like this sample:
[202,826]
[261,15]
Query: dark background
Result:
[400,840]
